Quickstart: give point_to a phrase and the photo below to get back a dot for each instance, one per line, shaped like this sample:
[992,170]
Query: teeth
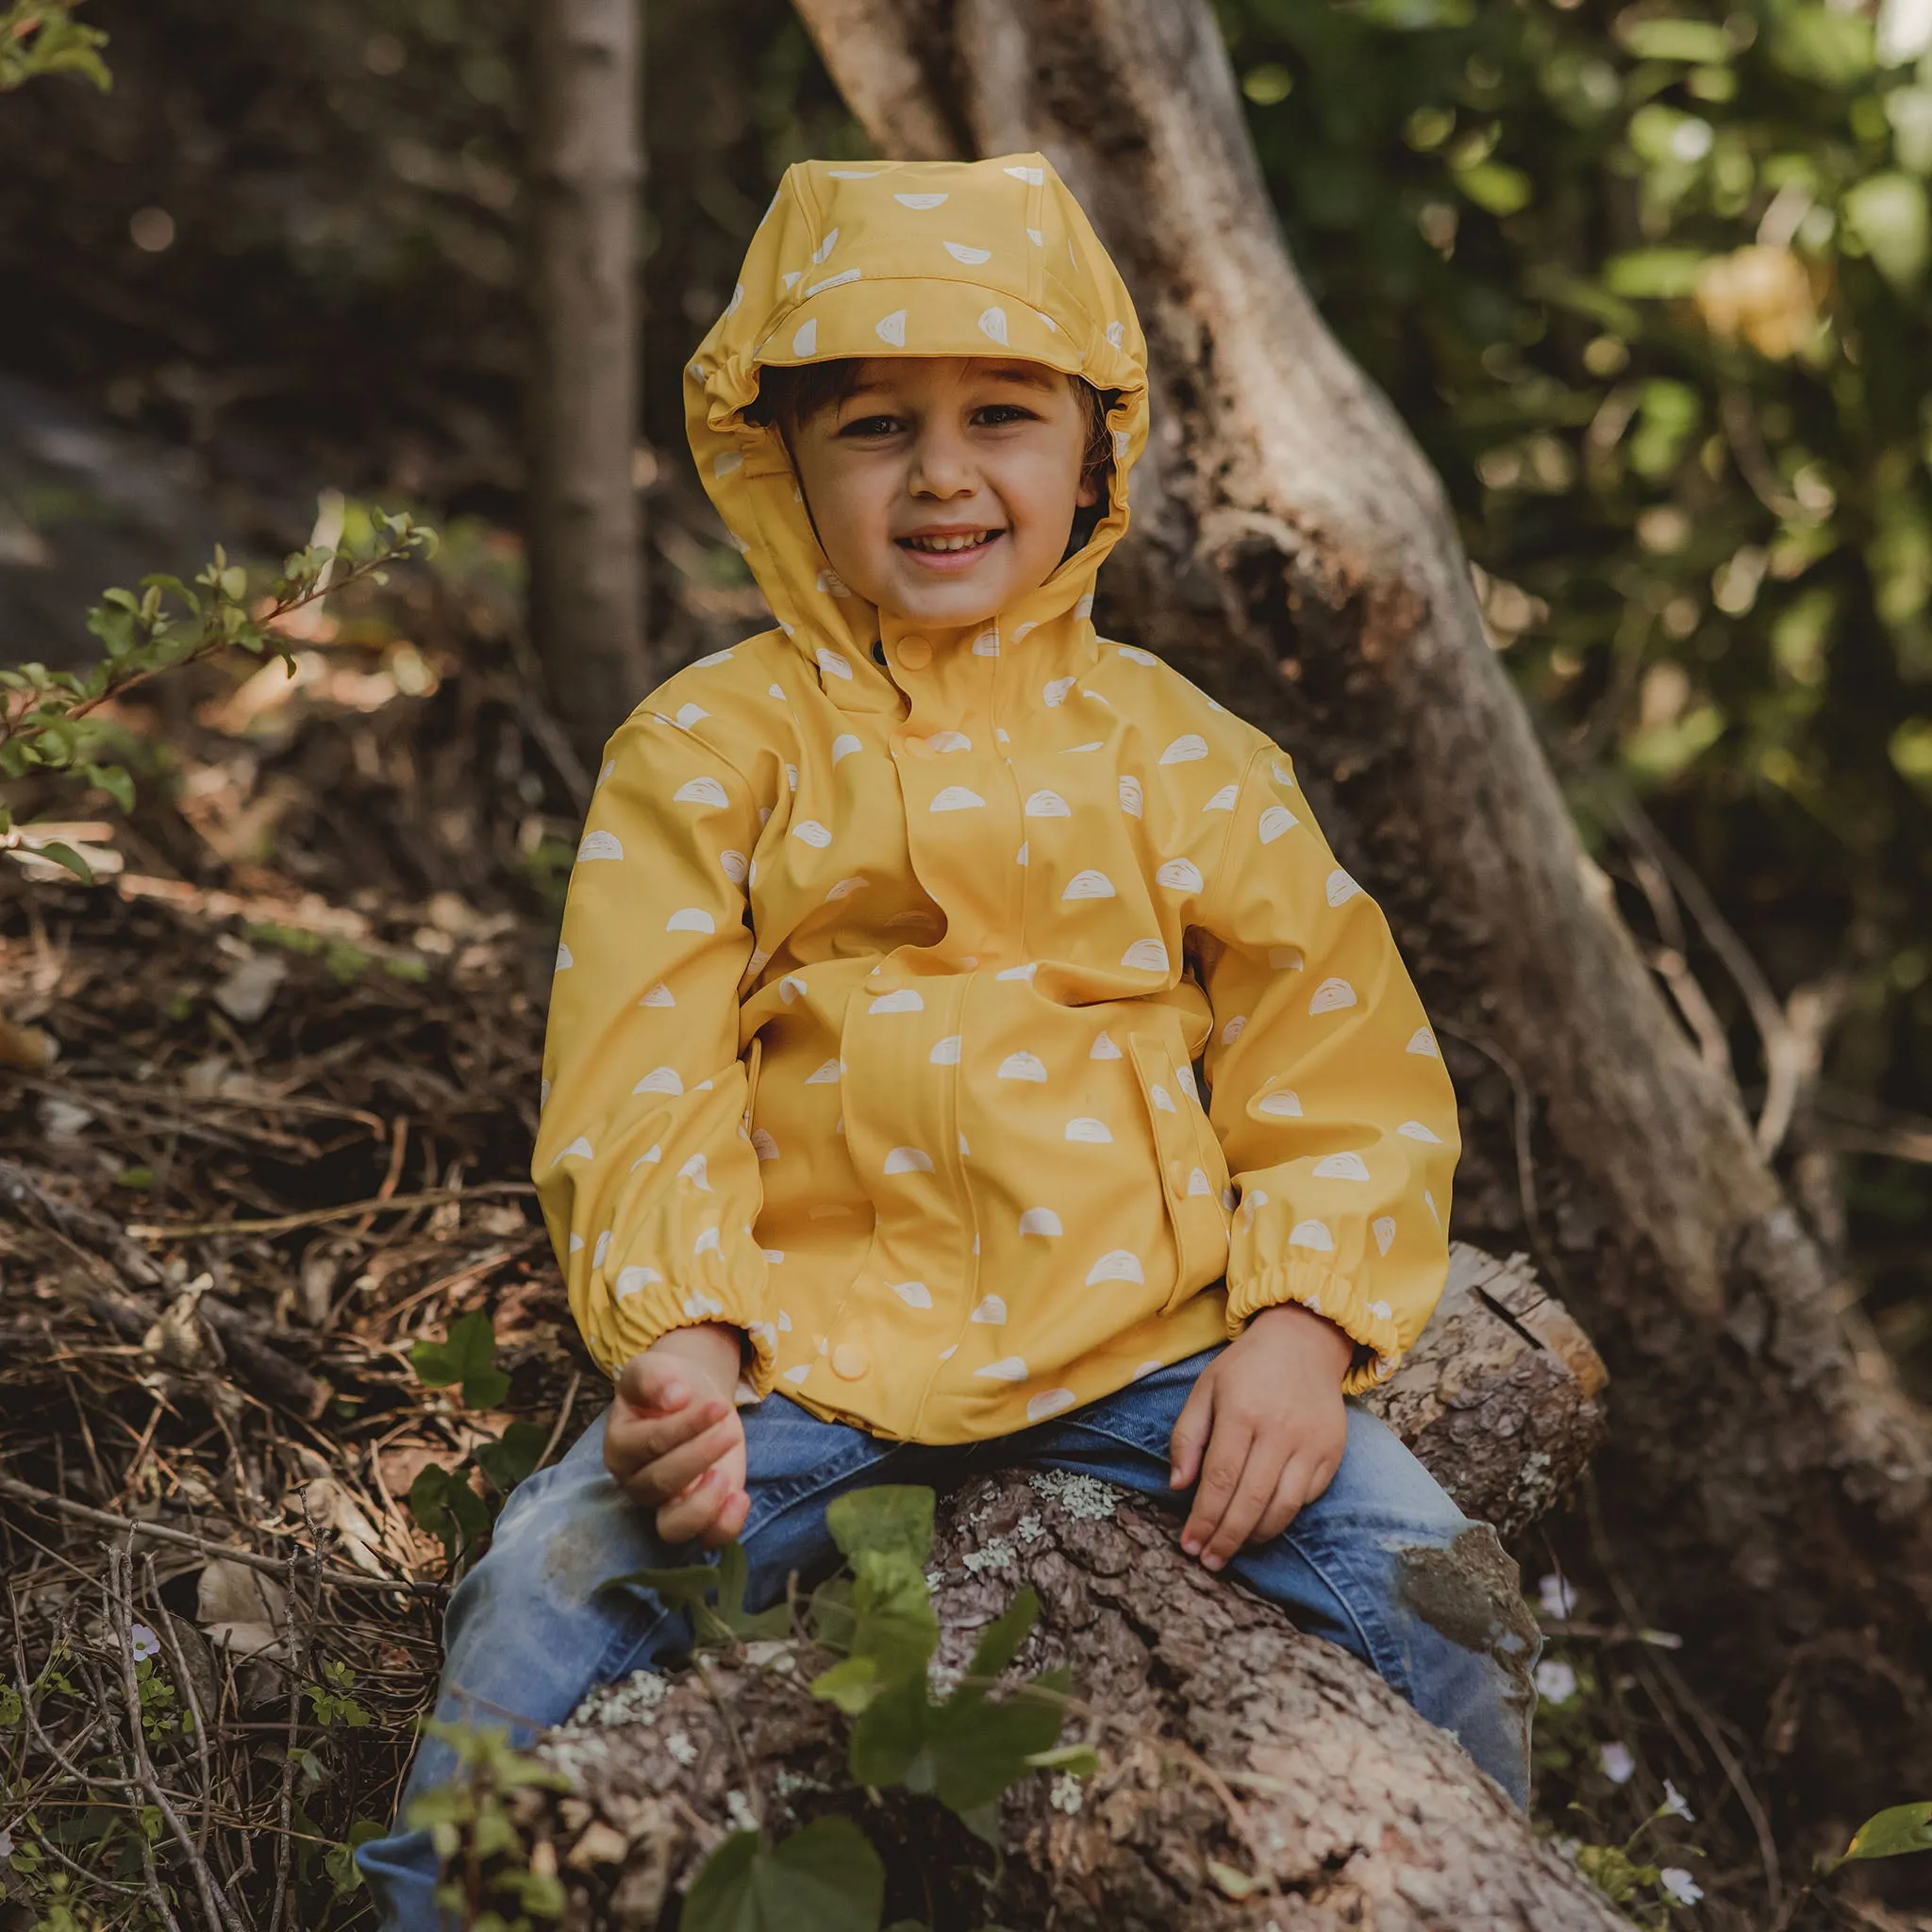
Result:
[951,543]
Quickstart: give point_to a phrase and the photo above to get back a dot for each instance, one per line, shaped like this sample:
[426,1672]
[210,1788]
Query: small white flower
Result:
[1617,1764]
[1675,1805]
[5,1845]
[1680,1885]
[1567,1847]
[1555,1682]
[1557,1598]
[143,1643]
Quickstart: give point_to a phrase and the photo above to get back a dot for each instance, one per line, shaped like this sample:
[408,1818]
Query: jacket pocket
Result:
[1193,1170]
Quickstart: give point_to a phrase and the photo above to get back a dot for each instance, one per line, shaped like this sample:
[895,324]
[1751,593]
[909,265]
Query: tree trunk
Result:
[1294,552]
[1249,1774]
[586,615]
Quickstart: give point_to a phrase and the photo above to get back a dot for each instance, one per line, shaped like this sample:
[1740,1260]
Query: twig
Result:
[569,1396]
[1524,1122]
[286,1223]
[269,1566]
[214,1903]
[177,1661]
[1785,1051]
[284,1842]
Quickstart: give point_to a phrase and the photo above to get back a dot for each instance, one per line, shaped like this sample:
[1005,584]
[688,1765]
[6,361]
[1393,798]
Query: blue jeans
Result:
[529,1632]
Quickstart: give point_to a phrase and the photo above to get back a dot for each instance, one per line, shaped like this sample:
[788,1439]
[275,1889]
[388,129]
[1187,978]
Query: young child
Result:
[873,1146]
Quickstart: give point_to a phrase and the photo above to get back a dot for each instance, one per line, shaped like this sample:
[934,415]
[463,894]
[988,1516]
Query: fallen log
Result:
[1250,1774]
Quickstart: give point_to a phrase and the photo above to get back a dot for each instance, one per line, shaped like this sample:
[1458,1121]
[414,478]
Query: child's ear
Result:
[1091,492]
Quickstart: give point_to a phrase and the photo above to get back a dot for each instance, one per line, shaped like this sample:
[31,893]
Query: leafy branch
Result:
[40,37]
[52,721]
[877,1618]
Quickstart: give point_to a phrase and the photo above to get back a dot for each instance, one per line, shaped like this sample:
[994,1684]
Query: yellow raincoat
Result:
[889,951]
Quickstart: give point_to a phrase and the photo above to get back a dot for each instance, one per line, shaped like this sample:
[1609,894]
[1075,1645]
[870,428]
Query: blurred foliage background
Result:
[1649,284]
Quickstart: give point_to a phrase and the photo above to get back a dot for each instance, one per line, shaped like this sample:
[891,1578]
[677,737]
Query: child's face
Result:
[932,449]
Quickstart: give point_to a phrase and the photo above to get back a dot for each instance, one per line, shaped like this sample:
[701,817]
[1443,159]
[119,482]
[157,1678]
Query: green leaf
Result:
[981,1746]
[1890,1833]
[340,1861]
[893,1517]
[114,782]
[889,1735]
[1497,188]
[1000,1642]
[467,1353]
[851,1684]
[63,853]
[1699,42]
[825,1878]
[514,1455]
[893,1619]
[1652,273]
[449,1510]
[1888,212]
[1077,1760]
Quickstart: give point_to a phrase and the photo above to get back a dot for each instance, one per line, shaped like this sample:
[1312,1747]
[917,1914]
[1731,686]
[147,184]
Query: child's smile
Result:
[948,548]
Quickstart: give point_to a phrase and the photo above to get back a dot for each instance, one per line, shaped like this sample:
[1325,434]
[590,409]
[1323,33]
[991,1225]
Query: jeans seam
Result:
[1390,1664]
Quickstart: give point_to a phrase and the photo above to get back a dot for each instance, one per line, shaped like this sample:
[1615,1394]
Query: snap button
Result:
[914,653]
[1173,1175]
[850,1360]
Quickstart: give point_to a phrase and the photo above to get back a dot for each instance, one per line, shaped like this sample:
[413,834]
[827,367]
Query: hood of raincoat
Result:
[860,259]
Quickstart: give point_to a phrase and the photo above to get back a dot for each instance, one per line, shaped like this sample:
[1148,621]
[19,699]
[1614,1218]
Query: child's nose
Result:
[943,466]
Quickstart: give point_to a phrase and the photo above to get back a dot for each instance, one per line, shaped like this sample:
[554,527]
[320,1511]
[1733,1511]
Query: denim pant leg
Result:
[529,1632]
[1368,1564]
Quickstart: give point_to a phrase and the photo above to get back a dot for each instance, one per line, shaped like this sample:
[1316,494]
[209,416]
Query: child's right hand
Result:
[675,1441]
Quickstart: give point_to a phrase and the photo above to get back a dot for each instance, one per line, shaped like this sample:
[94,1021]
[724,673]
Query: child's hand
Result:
[1269,1415]
[675,1440]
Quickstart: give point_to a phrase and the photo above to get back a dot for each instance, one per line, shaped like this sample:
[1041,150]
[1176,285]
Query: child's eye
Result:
[1002,413]
[870,425]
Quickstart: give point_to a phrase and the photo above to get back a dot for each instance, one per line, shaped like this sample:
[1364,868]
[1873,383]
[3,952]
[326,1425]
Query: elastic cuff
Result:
[656,1307]
[1371,1325]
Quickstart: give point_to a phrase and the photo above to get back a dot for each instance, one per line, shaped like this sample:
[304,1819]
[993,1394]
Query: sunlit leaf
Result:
[1888,213]
[1891,1833]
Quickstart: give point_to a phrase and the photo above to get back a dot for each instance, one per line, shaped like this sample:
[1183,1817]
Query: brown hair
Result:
[791,394]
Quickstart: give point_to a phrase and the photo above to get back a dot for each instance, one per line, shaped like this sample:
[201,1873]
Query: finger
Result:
[729,1520]
[1191,1429]
[1295,1488]
[652,1383]
[696,1508]
[631,1442]
[1221,1470]
[665,1476]
[1252,1494]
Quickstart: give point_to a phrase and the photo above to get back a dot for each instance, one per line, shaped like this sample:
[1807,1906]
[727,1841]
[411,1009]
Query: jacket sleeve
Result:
[1328,1092]
[646,1179]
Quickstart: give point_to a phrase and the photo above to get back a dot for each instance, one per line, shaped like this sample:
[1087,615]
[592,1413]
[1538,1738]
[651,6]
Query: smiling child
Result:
[964,1049]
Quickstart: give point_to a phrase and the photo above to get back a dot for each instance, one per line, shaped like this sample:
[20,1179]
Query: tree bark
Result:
[1249,1775]
[1352,1808]
[585,165]
[1767,1491]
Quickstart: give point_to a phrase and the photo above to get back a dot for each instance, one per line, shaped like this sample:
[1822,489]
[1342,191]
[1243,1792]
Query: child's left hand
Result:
[1263,1428]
